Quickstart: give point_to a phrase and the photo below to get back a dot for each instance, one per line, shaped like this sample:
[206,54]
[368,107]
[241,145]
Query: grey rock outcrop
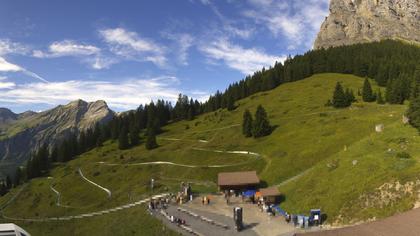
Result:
[360,21]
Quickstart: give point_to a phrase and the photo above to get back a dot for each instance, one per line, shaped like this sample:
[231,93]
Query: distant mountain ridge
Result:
[7,116]
[361,21]
[20,134]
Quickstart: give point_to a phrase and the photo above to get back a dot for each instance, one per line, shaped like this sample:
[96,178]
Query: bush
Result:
[403,155]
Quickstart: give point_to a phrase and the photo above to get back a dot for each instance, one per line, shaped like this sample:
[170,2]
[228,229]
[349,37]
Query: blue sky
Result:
[131,52]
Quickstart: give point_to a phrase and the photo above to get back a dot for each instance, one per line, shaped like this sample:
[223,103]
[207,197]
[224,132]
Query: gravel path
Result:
[86,215]
[95,184]
[256,155]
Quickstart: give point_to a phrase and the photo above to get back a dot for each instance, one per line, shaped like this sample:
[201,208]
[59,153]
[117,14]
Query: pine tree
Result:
[54,154]
[415,90]
[350,98]
[190,113]
[134,135]
[230,103]
[261,125]
[247,124]
[83,143]
[3,189]
[8,182]
[379,97]
[43,158]
[18,176]
[339,99]
[151,140]
[413,113]
[367,93]
[123,139]
[29,170]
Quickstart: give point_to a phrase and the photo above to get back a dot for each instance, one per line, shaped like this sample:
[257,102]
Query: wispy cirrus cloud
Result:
[126,94]
[297,21]
[131,46]
[67,48]
[9,47]
[89,54]
[245,60]
[6,85]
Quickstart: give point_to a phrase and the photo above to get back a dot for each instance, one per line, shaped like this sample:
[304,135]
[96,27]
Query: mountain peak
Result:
[360,21]
[78,102]
[6,115]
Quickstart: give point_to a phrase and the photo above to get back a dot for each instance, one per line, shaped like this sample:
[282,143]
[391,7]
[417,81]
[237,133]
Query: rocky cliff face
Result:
[30,130]
[359,21]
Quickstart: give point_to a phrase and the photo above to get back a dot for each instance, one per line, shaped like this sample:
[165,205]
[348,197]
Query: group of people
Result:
[205,200]
[161,203]
[177,221]
[185,193]
[264,207]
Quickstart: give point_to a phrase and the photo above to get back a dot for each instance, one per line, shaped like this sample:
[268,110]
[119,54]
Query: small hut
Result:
[270,195]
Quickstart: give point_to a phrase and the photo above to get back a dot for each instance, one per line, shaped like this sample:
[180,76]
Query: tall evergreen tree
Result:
[247,123]
[340,99]
[261,125]
[83,142]
[123,139]
[413,113]
[367,93]
[379,97]
[54,154]
[151,140]
[350,96]
[18,176]
[43,158]
[8,183]
[230,103]
[134,135]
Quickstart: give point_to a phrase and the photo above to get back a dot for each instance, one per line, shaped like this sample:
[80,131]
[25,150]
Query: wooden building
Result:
[238,181]
[270,195]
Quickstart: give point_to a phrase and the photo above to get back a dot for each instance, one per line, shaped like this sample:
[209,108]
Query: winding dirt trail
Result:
[95,184]
[87,215]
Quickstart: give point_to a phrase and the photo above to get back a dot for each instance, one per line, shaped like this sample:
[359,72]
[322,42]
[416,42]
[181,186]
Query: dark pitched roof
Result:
[238,178]
[270,192]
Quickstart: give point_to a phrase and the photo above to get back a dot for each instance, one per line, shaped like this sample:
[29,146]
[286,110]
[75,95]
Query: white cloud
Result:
[298,21]
[241,33]
[204,2]
[7,85]
[89,54]
[244,60]
[67,48]
[100,62]
[6,66]
[185,41]
[130,45]
[8,47]
[126,94]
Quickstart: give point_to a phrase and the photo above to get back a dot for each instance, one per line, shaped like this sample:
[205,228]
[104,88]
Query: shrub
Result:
[403,155]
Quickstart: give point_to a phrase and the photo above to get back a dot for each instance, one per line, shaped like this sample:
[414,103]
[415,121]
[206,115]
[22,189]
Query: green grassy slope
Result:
[316,143]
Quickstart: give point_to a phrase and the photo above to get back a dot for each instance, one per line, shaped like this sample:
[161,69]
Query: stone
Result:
[379,128]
